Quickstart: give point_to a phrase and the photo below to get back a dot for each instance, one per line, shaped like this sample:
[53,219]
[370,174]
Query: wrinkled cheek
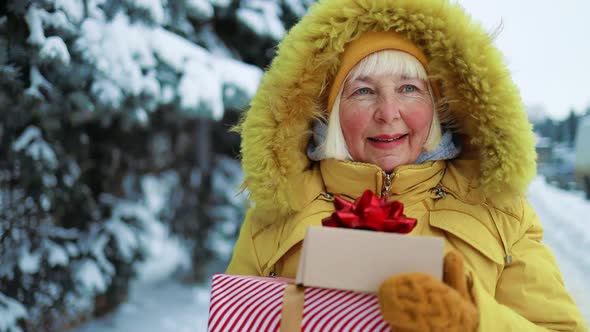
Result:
[353,124]
[419,123]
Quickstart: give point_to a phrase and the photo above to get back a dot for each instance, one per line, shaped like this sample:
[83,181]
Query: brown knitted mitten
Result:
[419,302]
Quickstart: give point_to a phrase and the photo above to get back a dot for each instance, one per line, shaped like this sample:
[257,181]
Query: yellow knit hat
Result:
[367,44]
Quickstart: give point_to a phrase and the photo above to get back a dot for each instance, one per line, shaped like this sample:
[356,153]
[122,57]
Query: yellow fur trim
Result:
[469,70]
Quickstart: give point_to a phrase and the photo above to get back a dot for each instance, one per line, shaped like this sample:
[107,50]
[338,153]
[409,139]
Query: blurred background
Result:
[119,175]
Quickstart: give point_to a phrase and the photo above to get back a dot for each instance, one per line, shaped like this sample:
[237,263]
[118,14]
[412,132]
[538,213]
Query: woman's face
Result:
[385,119]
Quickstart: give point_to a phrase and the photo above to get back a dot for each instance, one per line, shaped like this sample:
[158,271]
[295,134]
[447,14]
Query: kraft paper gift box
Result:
[339,272]
[361,260]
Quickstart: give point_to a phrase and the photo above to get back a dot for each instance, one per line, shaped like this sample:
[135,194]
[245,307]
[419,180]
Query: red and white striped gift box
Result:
[255,304]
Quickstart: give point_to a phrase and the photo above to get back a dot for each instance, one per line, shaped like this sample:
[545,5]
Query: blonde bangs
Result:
[389,62]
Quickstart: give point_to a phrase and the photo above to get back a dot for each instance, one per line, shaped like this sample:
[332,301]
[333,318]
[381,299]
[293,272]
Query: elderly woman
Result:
[410,100]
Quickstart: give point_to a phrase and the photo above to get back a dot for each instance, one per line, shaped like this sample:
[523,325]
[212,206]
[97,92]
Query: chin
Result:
[389,167]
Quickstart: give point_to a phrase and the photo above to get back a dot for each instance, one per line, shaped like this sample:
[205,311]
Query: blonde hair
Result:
[388,62]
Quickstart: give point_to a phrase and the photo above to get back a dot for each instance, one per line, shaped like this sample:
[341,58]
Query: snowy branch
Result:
[10,312]
[262,17]
[54,50]
[34,18]
[37,82]
[35,146]
[200,10]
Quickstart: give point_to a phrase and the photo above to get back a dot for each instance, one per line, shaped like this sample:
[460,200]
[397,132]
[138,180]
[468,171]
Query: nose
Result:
[388,110]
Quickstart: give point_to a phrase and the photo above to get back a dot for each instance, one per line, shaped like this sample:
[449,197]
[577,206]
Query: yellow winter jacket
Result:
[475,202]
[516,282]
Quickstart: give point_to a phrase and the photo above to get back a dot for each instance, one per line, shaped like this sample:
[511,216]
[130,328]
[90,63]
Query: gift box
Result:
[255,304]
[360,260]
[340,269]
[339,272]
[363,243]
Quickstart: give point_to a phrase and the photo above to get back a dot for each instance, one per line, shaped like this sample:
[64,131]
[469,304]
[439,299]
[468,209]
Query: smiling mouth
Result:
[388,139]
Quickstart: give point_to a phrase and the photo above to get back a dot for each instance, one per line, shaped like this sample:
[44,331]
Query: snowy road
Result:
[166,306]
[170,306]
[566,219]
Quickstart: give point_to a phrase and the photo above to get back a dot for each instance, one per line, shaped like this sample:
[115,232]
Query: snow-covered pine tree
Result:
[113,124]
[248,31]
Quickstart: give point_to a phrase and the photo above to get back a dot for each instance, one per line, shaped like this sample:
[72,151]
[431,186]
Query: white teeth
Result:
[386,139]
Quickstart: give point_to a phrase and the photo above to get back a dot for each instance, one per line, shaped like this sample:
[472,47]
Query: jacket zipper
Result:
[386,184]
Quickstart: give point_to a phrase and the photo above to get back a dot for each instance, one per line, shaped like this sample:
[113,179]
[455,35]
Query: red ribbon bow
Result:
[370,213]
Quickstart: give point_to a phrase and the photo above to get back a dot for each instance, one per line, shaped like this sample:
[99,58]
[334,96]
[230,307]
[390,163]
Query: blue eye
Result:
[363,91]
[409,88]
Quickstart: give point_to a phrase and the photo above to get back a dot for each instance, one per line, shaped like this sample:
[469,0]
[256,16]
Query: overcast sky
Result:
[547,47]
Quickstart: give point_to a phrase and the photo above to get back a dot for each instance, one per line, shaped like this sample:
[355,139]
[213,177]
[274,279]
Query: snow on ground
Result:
[167,305]
[564,216]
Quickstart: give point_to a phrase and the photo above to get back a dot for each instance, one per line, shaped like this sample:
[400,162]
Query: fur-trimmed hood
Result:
[469,70]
